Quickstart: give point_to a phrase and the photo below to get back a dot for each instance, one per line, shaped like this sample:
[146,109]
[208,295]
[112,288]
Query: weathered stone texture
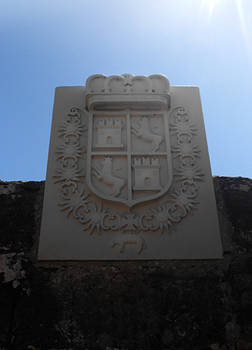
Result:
[169,305]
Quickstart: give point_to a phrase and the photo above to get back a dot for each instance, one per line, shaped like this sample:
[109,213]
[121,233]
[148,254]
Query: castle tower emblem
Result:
[146,173]
[109,133]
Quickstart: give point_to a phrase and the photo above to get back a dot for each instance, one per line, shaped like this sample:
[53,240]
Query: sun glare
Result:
[244,30]
[210,5]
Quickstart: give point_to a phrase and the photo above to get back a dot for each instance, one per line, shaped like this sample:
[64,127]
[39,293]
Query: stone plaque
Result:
[128,173]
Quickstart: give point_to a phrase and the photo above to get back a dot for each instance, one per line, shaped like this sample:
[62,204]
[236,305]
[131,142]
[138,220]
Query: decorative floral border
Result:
[74,197]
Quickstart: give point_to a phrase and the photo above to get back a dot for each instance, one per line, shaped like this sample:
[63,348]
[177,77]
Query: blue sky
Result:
[45,44]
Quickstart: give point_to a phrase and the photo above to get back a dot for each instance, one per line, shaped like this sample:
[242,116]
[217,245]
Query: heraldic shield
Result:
[129,156]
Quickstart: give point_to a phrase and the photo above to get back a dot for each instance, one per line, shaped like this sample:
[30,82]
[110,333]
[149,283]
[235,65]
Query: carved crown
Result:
[127,91]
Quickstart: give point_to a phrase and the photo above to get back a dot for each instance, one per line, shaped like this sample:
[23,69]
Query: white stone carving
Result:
[116,91]
[129,240]
[125,83]
[141,129]
[120,169]
[109,133]
[146,177]
[147,173]
[106,175]
[128,170]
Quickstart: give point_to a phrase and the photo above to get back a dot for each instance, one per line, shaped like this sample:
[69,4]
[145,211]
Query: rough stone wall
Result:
[166,305]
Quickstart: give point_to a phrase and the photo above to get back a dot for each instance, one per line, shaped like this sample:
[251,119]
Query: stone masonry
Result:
[143,305]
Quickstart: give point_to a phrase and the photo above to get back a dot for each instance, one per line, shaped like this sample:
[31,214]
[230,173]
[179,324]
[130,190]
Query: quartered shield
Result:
[129,156]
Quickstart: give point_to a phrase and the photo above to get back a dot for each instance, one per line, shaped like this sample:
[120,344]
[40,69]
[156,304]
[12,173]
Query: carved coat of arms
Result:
[128,163]
[129,156]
